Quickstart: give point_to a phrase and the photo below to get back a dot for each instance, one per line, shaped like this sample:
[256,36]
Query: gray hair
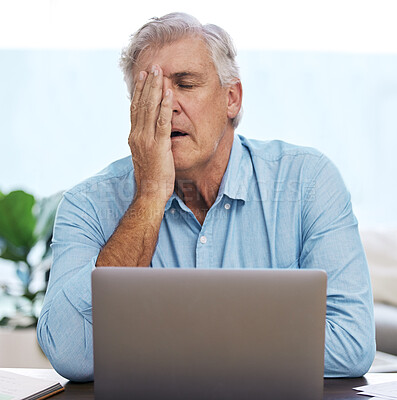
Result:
[172,27]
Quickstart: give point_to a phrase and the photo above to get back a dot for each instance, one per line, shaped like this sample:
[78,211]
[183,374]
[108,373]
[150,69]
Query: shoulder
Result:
[118,173]
[276,150]
[97,204]
[104,196]
[275,159]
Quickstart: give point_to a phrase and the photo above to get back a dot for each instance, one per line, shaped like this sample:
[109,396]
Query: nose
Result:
[167,84]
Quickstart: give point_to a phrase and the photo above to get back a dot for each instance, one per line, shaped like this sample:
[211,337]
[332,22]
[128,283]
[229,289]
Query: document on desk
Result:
[384,363]
[20,387]
[379,391]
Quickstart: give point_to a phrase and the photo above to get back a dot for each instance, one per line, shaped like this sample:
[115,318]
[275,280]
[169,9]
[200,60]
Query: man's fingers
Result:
[163,126]
[149,104]
[136,98]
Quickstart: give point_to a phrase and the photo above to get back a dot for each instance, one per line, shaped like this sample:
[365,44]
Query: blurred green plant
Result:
[25,235]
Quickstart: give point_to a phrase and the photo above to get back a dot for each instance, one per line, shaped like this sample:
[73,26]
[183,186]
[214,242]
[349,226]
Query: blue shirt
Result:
[278,206]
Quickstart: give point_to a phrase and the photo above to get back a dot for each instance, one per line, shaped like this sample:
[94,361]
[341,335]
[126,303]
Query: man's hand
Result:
[150,137]
[134,240]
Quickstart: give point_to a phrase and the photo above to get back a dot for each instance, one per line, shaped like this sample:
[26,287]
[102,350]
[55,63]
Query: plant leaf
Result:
[17,221]
[4,321]
[10,252]
[45,210]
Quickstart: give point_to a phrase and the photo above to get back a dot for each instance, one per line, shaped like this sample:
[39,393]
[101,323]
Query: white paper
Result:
[377,397]
[382,398]
[15,386]
[384,362]
[386,391]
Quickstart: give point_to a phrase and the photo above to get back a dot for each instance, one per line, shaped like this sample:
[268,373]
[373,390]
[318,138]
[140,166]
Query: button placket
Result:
[204,249]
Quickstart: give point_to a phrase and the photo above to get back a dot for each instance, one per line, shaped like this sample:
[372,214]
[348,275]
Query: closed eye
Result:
[185,86]
[187,80]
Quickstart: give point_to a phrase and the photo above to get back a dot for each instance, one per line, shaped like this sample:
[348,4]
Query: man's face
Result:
[202,133]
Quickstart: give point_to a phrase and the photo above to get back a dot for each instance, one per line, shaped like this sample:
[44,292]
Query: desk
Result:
[334,389]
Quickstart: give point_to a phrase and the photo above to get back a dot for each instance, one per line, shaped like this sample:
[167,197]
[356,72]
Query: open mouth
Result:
[177,134]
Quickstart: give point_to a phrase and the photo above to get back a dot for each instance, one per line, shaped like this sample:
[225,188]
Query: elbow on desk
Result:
[71,360]
[355,365]
[361,367]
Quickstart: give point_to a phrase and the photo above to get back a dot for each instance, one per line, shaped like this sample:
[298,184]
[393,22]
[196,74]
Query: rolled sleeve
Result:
[64,329]
[331,242]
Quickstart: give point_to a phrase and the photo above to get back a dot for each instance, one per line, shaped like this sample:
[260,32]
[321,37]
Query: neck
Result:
[199,189]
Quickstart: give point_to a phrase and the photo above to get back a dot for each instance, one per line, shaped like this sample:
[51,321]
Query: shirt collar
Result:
[236,179]
[174,197]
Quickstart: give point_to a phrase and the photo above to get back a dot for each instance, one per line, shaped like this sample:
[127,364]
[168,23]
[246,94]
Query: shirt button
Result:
[227,206]
[203,240]
[172,211]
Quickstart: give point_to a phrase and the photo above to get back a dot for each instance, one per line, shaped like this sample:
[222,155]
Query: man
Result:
[195,195]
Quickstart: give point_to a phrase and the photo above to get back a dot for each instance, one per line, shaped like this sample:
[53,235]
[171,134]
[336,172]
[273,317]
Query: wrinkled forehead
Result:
[188,53]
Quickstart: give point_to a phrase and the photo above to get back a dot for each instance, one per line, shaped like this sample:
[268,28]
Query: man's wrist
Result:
[147,207]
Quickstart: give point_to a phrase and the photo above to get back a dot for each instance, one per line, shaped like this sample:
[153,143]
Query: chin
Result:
[182,161]
[182,166]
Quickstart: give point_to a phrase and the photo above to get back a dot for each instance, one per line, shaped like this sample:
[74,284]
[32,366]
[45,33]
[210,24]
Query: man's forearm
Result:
[134,240]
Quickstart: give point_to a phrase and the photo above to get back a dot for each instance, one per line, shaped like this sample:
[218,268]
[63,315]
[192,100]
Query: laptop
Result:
[208,334]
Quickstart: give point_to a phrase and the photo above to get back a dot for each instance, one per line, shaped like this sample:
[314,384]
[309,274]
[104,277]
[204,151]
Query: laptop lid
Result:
[208,334]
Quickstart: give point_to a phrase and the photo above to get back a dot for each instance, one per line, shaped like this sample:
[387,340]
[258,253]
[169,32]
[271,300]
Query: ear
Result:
[234,99]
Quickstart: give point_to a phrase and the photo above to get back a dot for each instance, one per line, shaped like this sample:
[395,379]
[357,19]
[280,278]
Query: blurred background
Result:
[317,73]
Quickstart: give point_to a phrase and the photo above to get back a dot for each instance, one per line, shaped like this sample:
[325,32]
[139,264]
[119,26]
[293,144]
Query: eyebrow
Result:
[188,74]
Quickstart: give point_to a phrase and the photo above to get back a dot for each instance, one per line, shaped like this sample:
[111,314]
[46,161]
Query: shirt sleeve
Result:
[64,328]
[331,242]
